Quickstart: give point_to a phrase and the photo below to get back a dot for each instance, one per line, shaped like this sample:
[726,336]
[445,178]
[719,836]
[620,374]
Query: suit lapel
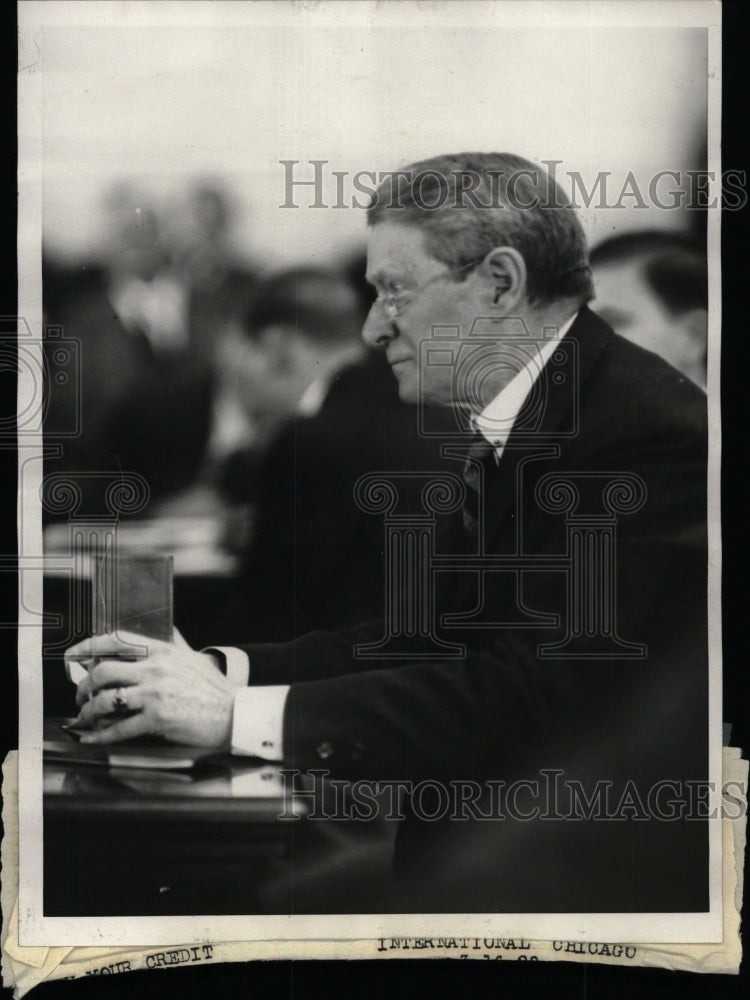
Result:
[544,427]
[541,429]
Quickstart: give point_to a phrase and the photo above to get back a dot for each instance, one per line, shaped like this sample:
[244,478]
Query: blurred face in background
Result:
[262,370]
[198,233]
[625,301]
[267,374]
[136,249]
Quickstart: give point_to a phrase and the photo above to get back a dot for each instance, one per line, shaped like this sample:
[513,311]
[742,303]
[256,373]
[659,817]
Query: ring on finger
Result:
[120,701]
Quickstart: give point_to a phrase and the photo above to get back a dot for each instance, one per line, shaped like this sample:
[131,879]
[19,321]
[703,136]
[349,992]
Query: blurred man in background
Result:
[325,412]
[143,393]
[652,288]
[299,331]
[215,276]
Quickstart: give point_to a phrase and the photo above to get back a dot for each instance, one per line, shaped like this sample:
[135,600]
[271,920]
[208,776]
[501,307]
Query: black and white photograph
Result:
[369,473]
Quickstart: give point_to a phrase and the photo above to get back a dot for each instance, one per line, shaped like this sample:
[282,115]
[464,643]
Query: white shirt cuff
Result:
[236,663]
[258,721]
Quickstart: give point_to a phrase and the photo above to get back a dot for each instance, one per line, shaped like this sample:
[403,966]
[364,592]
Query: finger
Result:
[116,673]
[76,670]
[114,644]
[126,729]
[106,703]
[109,673]
[83,691]
[104,722]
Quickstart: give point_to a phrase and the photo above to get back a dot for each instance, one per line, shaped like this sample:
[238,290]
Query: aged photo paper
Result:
[526,745]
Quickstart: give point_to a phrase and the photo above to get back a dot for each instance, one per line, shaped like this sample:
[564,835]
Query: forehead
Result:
[397,249]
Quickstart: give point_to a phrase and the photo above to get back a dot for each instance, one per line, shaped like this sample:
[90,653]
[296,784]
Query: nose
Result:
[378,330]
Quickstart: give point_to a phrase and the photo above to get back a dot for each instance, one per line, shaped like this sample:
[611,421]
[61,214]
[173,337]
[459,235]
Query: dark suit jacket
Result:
[316,558]
[502,712]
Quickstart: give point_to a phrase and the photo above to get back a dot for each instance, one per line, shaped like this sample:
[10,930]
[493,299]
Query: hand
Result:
[176,692]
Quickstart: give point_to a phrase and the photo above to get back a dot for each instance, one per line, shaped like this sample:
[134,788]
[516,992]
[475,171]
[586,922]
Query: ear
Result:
[503,272]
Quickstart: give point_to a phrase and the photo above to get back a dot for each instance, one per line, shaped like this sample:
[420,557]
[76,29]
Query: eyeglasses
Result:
[394,303]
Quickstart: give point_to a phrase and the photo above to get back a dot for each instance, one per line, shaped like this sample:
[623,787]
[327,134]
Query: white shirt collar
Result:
[496,420]
[312,399]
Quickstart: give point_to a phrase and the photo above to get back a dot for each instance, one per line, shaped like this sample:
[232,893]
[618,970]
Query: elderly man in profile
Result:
[580,681]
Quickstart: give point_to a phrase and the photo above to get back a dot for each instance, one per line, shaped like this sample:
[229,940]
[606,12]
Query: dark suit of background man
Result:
[503,711]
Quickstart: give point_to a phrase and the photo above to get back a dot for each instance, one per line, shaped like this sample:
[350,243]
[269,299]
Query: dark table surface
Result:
[87,782]
[122,840]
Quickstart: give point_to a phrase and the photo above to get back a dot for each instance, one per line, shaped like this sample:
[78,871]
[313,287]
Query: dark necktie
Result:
[477,457]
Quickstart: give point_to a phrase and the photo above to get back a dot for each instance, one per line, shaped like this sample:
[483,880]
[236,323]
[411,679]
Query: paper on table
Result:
[24,968]
[161,758]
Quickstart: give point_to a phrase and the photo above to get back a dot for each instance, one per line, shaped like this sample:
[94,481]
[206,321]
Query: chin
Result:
[408,393]
[407,387]
[412,389]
